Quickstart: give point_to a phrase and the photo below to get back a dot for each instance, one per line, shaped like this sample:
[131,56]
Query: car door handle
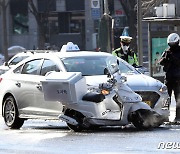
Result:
[39,87]
[18,84]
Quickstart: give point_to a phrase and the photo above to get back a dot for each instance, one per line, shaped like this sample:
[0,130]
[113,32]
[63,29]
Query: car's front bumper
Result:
[158,101]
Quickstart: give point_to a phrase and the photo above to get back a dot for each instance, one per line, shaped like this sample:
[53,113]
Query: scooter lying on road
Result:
[111,104]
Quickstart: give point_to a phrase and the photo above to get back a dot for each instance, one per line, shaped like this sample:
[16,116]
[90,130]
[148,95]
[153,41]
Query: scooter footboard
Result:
[139,105]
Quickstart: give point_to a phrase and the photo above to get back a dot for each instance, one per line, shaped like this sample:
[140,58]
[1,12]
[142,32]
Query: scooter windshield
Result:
[112,65]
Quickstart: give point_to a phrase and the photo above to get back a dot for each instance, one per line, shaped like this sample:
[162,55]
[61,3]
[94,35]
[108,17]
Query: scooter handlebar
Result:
[106,86]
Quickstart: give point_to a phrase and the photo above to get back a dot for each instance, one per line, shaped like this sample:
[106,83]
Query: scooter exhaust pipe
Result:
[68,119]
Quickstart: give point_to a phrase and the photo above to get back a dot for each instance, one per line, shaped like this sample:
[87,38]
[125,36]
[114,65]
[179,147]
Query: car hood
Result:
[3,67]
[142,82]
[135,81]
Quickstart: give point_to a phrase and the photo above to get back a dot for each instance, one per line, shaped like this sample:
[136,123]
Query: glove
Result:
[169,53]
[134,65]
[169,56]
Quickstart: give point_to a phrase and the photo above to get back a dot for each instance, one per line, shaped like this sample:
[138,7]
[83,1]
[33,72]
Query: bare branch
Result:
[33,9]
[4,2]
[7,3]
[148,5]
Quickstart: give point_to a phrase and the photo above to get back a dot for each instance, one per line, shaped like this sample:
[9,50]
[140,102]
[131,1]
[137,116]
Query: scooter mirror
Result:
[106,72]
[117,61]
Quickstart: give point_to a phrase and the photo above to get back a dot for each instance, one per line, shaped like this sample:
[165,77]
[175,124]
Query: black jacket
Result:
[171,61]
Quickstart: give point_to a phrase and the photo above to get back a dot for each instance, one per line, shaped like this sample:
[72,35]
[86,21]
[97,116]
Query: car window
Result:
[32,67]
[18,69]
[17,60]
[86,65]
[48,65]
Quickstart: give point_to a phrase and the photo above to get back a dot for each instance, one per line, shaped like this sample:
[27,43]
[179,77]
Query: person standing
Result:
[170,60]
[125,52]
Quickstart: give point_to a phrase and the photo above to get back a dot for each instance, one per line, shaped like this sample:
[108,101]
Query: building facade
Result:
[67,20]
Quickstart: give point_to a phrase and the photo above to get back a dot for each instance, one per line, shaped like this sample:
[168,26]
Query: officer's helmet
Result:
[125,39]
[173,39]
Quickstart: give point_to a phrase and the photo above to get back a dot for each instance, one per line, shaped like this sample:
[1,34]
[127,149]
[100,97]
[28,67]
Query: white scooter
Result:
[111,104]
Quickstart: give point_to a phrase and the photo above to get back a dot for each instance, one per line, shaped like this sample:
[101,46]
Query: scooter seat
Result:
[93,97]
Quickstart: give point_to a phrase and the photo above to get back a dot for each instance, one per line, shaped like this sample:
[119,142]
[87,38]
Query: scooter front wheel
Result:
[78,117]
[139,119]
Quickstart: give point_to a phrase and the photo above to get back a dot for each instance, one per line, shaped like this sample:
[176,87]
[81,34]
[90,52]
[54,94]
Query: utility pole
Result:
[106,7]
[104,34]
[139,32]
[4,27]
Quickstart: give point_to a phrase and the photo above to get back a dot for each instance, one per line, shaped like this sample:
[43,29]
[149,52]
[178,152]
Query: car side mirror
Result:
[5,64]
[140,70]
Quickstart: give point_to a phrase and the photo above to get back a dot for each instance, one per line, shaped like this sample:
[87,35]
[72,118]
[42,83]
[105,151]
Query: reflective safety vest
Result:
[130,57]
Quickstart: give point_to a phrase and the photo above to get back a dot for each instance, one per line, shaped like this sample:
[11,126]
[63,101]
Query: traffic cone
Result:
[125,32]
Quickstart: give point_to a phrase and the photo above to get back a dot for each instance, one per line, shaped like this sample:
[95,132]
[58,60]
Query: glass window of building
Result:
[19,12]
[46,5]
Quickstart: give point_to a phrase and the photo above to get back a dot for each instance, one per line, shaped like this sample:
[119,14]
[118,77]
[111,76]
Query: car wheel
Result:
[11,114]
[78,117]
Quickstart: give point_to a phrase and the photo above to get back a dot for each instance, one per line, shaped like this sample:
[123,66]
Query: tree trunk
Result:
[41,36]
[104,34]
[129,9]
[133,29]
[40,22]
[4,27]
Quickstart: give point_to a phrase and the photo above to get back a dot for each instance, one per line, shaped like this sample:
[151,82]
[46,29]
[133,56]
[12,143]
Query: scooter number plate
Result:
[148,102]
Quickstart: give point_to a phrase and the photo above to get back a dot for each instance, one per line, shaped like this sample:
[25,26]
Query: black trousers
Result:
[174,85]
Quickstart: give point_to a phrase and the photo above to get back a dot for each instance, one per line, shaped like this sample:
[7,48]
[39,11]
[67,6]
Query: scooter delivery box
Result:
[66,87]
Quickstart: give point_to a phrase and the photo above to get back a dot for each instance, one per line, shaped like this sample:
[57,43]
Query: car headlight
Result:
[163,89]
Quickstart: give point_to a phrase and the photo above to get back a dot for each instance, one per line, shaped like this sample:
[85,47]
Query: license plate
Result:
[148,102]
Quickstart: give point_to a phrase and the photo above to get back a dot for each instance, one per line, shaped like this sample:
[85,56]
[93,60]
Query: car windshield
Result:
[126,68]
[93,65]
[87,65]
[17,60]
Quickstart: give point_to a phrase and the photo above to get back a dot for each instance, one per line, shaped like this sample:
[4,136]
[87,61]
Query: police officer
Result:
[125,52]
[170,60]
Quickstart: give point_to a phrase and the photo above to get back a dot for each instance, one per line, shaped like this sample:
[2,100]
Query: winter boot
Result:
[177,118]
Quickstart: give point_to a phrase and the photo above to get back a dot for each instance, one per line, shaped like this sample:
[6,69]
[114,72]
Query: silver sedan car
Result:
[21,93]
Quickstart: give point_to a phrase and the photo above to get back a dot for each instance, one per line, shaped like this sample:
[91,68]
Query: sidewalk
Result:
[172,108]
